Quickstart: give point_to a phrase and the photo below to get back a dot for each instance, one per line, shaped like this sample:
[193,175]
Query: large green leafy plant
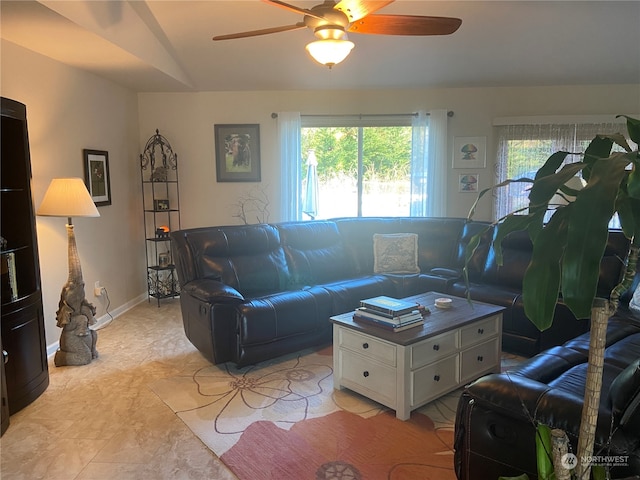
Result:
[569,246]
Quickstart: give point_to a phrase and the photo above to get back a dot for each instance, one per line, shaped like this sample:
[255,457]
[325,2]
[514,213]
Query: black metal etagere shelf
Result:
[161,210]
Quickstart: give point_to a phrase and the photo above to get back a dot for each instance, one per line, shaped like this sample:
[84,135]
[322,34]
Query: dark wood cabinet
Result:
[23,336]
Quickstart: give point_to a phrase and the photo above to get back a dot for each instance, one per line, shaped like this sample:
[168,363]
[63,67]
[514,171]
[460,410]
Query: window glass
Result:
[358,170]
[523,149]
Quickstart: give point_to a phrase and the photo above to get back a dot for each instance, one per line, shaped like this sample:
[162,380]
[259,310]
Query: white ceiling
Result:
[158,45]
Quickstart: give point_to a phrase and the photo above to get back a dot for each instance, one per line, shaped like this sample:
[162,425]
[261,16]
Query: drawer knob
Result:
[365,345]
[480,358]
[365,374]
[436,378]
[436,347]
[481,331]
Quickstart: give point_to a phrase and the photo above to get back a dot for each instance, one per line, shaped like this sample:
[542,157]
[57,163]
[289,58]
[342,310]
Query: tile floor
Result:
[101,421]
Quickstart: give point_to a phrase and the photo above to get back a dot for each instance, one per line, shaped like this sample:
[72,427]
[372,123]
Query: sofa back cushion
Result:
[477,262]
[314,252]
[516,253]
[517,248]
[247,257]
[437,238]
[625,397]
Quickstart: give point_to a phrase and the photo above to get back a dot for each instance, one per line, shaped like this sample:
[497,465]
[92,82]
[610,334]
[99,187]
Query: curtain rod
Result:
[360,115]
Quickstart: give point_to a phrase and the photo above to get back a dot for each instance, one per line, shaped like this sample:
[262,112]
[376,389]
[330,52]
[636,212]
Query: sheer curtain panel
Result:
[429,164]
[290,155]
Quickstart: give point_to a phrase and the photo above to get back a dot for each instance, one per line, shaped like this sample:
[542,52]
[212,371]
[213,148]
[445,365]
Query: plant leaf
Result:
[598,472]
[588,233]
[543,452]
[544,188]
[633,127]
[472,211]
[552,164]
[510,224]
[541,282]
[600,147]
[633,183]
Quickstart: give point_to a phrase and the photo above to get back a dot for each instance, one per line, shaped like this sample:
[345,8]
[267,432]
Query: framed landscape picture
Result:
[237,153]
[96,176]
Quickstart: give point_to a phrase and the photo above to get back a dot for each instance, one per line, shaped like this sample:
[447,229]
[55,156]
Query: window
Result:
[356,166]
[523,149]
[367,165]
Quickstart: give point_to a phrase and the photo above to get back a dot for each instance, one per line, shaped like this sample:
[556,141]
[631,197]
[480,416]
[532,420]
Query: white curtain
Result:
[429,164]
[290,160]
[522,149]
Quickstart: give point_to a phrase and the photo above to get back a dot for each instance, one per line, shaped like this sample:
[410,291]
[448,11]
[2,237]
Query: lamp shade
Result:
[67,197]
[330,51]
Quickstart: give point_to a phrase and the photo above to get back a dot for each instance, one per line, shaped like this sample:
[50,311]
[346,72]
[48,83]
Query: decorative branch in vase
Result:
[253,204]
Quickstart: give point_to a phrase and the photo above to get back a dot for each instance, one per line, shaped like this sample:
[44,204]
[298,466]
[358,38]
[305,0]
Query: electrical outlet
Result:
[97,289]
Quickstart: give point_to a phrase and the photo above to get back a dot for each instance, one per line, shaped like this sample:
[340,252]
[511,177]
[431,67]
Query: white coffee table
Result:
[408,369]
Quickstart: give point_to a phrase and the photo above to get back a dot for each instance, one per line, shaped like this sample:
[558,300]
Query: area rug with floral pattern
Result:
[283,419]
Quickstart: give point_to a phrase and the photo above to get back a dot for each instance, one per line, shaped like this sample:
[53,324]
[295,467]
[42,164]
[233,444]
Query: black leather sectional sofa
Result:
[254,292]
[497,414]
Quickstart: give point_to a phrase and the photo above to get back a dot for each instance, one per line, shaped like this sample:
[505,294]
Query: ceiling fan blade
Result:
[405,25]
[357,9]
[264,31]
[293,8]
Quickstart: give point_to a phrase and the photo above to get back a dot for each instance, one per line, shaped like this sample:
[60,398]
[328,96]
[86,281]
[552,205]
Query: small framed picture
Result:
[164,259]
[468,183]
[96,176]
[161,205]
[237,153]
[469,152]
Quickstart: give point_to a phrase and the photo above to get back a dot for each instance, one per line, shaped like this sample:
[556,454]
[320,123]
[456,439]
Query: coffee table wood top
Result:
[438,321]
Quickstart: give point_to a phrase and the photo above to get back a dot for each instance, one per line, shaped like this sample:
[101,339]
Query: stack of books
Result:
[390,313]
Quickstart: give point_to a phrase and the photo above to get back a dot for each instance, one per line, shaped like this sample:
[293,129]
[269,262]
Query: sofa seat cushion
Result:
[346,294]
[264,319]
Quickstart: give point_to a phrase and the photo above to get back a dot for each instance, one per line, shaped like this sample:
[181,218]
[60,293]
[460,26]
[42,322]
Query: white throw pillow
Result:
[395,253]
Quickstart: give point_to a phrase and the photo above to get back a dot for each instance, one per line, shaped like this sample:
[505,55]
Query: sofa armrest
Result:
[533,402]
[212,291]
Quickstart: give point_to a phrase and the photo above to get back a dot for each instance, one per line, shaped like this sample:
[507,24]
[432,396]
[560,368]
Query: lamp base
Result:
[77,343]
[75,314]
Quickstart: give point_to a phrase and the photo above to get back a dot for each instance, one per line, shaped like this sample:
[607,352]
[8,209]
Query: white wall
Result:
[69,110]
[187,120]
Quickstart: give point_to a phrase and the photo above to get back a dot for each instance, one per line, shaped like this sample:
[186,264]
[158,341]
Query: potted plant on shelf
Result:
[568,248]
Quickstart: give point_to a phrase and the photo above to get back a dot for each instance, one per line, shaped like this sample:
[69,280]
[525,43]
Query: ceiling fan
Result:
[330,22]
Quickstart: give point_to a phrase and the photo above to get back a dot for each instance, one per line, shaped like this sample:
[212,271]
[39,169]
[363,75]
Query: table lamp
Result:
[69,197]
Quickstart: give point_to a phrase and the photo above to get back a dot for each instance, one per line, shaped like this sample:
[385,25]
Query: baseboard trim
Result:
[105,319]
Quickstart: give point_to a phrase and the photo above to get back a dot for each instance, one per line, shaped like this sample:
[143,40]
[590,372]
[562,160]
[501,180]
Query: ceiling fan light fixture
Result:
[329,52]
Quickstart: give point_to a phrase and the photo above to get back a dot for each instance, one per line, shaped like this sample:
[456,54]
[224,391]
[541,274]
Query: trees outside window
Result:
[361,170]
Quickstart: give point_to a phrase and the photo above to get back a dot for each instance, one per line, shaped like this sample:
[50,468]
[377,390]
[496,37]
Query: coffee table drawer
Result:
[479,331]
[432,380]
[368,346]
[434,348]
[372,379]
[477,360]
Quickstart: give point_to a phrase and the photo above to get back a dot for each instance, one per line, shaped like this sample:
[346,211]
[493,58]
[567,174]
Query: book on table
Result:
[389,326]
[397,320]
[392,307]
